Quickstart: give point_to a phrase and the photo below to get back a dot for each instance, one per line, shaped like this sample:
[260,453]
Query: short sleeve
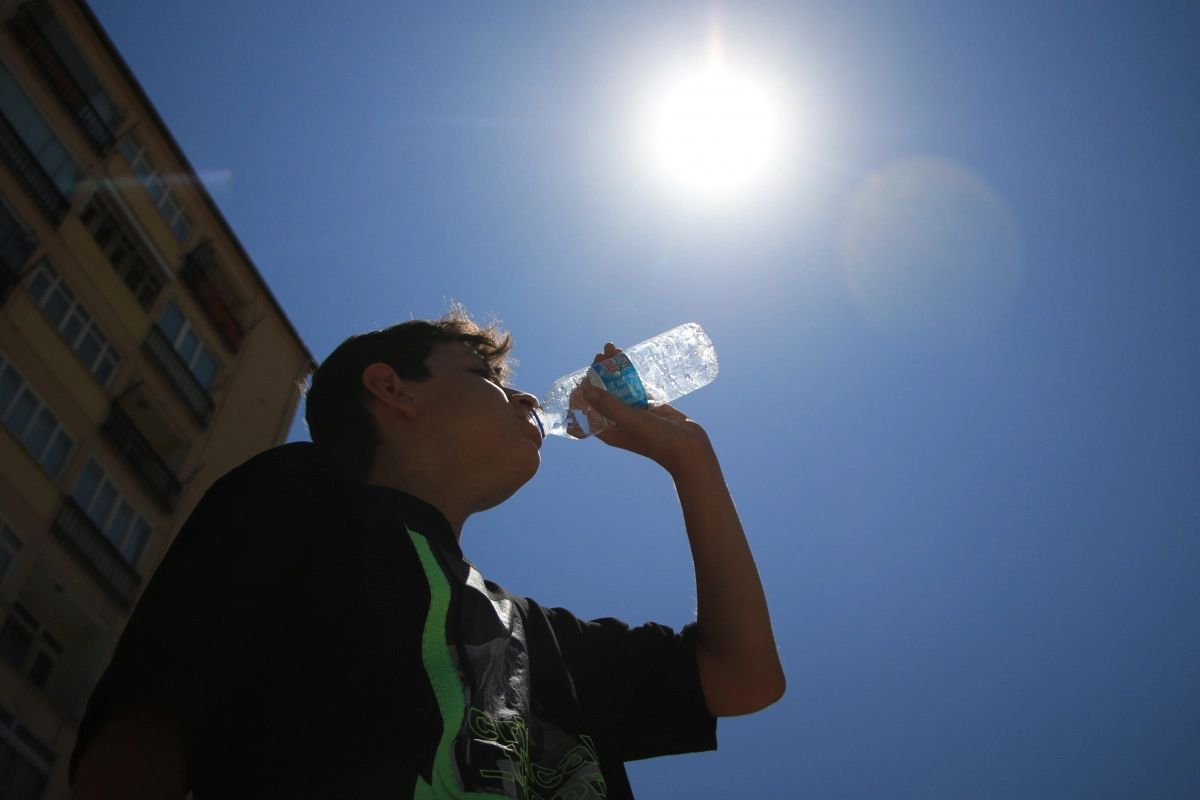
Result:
[639,684]
[206,627]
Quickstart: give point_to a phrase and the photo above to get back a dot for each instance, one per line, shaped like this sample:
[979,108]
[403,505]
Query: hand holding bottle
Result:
[661,432]
[650,373]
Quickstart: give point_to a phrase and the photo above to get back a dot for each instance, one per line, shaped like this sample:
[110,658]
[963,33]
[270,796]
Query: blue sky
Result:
[958,323]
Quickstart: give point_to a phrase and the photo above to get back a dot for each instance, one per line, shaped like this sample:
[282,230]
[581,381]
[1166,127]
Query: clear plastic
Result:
[658,371]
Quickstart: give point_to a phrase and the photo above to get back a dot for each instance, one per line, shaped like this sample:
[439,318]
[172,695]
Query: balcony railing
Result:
[177,373]
[154,473]
[98,555]
[32,177]
[52,69]
[214,300]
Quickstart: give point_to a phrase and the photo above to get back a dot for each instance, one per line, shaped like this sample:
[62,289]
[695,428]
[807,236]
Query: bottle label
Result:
[618,376]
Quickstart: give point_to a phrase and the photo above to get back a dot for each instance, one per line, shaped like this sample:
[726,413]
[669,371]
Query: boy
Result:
[315,631]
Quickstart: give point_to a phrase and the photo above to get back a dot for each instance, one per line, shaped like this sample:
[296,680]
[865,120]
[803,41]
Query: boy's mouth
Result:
[535,418]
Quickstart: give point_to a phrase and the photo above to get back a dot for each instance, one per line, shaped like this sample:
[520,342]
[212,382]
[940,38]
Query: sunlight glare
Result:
[715,132]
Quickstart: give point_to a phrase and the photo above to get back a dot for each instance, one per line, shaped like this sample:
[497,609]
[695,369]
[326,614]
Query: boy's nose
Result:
[523,399]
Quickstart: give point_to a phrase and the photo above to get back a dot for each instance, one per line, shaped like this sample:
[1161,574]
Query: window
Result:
[10,545]
[128,530]
[74,323]
[115,237]
[187,344]
[32,422]
[29,647]
[26,761]
[156,184]
[38,136]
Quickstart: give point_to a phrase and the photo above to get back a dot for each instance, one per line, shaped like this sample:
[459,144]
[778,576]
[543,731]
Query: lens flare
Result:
[931,252]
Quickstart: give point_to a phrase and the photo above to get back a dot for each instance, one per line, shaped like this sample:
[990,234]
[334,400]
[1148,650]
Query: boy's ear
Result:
[389,389]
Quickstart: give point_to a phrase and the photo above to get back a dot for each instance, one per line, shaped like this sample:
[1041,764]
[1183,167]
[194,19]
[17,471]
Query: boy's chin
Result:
[518,480]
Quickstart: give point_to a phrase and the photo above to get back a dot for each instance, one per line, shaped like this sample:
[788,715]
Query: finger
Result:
[610,350]
[612,408]
[668,412]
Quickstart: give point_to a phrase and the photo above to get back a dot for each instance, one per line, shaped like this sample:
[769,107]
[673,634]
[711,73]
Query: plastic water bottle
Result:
[648,374]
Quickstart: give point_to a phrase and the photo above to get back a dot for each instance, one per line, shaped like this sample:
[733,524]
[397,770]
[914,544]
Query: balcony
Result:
[54,72]
[141,456]
[92,548]
[202,280]
[173,368]
[16,245]
[30,174]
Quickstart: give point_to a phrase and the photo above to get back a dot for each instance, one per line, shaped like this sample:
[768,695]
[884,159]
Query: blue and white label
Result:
[618,376]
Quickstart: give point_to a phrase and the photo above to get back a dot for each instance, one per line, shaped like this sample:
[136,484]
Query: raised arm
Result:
[739,662]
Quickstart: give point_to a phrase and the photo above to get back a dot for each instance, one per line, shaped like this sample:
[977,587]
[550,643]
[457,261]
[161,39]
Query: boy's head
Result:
[337,409]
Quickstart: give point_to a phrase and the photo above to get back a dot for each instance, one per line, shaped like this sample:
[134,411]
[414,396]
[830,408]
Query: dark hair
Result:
[337,409]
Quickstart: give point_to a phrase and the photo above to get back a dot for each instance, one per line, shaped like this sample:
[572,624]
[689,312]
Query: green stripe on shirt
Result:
[435,655]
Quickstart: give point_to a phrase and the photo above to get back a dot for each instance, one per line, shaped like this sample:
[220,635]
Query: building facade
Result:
[141,356]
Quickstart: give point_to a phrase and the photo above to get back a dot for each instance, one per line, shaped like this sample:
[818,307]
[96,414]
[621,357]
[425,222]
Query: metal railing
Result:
[214,301]
[98,555]
[52,69]
[29,172]
[179,375]
[155,475]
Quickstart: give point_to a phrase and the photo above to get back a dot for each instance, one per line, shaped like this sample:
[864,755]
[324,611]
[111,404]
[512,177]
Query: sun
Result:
[715,132]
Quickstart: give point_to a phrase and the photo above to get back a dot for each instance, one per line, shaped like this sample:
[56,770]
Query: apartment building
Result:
[141,356]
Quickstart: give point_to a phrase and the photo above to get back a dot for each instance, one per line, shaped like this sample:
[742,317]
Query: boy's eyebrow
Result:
[480,360]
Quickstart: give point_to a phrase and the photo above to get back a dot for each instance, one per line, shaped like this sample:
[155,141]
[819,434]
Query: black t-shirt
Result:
[318,638]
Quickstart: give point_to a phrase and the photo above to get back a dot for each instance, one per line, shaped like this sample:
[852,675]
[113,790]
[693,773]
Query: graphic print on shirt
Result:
[492,744]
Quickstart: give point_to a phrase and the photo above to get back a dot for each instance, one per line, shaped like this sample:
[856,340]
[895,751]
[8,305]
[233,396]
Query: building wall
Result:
[69,572]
